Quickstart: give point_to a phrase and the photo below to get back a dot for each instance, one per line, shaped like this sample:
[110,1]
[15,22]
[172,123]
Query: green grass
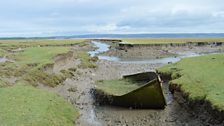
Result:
[201,78]
[3,84]
[117,87]
[27,106]
[39,76]
[39,42]
[35,59]
[2,52]
[86,60]
[39,55]
[30,65]
[31,61]
[13,70]
[169,40]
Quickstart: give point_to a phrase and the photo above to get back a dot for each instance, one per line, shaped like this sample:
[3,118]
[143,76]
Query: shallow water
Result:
[173,114]
[3,59]
[103,47]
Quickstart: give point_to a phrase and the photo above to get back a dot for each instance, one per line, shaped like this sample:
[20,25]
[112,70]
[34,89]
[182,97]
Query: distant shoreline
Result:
[151,35]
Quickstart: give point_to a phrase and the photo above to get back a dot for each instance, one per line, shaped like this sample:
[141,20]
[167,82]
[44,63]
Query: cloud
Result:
[53,17]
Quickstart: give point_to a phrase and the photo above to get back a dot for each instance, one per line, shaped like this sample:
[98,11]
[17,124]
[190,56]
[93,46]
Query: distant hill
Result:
[164,35]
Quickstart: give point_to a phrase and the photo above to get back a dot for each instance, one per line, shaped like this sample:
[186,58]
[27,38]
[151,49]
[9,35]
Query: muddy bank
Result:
[173,114]
[77,91]
[140,52]
[75,88]
[200,109]
[152,51]
[124,45]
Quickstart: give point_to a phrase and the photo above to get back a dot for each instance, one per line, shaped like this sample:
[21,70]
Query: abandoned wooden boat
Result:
[141,90]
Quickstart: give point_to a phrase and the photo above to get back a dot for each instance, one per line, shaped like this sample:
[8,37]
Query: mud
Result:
[173,114]
[201,109]
[77,90]
[159,51]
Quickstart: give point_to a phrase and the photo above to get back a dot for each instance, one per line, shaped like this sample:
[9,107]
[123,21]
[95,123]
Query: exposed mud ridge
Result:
[61,62]
[139,52]
[77,90]
[201,109]
[152,51]
[189,44]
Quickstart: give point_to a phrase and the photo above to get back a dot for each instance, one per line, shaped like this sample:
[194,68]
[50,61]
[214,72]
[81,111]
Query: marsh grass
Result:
[38,58]
[25,105]
[69,73]
[39,55]
[86,60]
[40,42]
[37,76]
[169,40]
[3,84]
[8,69]
[2,52]
[201,78]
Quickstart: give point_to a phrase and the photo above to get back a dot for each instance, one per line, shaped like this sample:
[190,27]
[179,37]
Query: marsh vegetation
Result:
[57,76]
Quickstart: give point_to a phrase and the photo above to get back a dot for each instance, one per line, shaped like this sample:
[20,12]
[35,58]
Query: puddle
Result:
[3,59]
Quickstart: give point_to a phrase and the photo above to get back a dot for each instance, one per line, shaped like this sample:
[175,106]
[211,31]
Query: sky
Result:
[28,18]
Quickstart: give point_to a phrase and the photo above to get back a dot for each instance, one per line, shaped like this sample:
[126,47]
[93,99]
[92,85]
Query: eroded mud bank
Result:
[153,51]
[77,90]
[177,112]
[201,109]
[173,114]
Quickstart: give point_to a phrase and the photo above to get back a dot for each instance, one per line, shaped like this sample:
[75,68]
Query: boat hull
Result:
[149,95]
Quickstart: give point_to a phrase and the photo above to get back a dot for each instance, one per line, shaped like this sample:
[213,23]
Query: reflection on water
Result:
[103,47]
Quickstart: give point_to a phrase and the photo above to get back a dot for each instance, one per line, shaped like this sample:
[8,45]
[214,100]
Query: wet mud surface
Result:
[77,90]
[173,114]
[156,52]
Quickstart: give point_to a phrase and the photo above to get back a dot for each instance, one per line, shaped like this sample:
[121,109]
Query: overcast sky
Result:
[70,17]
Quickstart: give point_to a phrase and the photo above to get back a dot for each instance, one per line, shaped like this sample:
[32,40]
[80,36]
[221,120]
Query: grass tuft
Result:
[202,78]
[86,60]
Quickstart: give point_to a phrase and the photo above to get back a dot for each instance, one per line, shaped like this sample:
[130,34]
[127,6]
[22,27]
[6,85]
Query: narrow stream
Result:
[173,114]
[103,47]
